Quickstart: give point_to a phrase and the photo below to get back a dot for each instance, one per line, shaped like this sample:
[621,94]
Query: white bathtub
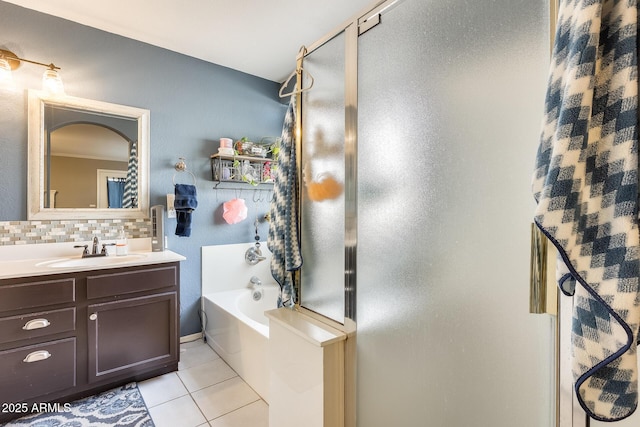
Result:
[237,329]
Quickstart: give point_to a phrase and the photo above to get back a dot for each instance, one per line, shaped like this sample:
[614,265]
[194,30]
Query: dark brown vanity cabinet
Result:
[37,337]
[69,335]
[146,323]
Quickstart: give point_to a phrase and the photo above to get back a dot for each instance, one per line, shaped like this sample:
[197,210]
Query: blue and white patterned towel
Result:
[586,187]
[283,239]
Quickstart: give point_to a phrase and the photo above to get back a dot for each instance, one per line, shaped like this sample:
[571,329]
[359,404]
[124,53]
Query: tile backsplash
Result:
[58,231]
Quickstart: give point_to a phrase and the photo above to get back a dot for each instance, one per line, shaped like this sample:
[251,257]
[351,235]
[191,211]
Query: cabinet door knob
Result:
[93,316]
[36,324]
[36,356]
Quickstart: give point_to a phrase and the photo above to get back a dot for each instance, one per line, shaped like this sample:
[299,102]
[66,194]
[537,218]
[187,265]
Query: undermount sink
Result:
[92,261]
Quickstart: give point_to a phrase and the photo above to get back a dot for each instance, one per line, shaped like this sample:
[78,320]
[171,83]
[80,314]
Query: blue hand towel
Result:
[586,187]
[185,202]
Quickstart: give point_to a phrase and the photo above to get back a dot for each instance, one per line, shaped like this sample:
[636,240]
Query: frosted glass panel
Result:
[323,229]
[450,98]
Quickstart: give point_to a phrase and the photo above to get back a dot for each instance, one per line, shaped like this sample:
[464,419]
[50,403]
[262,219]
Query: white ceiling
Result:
[259,37]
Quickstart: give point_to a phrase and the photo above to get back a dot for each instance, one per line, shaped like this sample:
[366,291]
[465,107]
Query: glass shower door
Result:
[323,168]
[450,97]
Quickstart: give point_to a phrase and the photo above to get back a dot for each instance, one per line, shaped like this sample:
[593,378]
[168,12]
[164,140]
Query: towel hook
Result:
[260,197]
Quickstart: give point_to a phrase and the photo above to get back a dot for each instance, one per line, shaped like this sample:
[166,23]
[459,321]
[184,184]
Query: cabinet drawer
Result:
[112,284]
[37,294]
[33,325]
[37,370]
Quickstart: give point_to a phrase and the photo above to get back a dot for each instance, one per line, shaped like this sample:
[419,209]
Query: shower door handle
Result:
[538,272]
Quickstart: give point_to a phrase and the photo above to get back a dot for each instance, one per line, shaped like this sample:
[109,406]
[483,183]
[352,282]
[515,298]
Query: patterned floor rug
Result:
[121,407]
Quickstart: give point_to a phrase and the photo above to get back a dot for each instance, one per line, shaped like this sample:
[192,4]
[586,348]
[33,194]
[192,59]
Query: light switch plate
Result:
[171,211]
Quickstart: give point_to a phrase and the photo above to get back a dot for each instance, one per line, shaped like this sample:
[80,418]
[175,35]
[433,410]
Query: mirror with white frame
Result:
[87,159]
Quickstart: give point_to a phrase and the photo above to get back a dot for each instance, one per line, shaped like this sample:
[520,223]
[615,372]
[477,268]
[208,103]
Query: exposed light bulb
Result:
[52,83]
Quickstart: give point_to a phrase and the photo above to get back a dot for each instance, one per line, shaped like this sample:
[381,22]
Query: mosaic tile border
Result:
[60,231]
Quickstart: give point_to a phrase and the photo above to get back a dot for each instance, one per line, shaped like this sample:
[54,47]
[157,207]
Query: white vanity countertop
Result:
[55,258]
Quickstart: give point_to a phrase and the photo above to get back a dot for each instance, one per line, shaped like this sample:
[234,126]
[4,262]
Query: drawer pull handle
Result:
[36,324]
[93,316]
[37,356]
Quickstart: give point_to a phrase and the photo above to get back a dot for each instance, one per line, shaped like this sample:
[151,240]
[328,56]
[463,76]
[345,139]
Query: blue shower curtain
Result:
[115,191]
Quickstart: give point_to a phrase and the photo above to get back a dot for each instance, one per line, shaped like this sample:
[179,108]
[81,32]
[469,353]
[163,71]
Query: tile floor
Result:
[204,392]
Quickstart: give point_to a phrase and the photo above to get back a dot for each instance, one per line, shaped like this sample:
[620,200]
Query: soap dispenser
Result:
[122,246]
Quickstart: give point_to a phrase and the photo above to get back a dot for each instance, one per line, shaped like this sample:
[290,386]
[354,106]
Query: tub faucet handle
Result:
[253,255]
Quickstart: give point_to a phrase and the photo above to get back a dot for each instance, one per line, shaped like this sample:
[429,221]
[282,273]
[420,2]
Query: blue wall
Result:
[193,103]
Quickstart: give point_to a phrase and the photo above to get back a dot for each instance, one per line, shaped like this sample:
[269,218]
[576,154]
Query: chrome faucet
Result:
[255,281]
[94,249]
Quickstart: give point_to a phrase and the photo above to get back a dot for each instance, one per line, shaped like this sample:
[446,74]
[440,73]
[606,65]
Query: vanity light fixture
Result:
[9,61]
[6,78]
